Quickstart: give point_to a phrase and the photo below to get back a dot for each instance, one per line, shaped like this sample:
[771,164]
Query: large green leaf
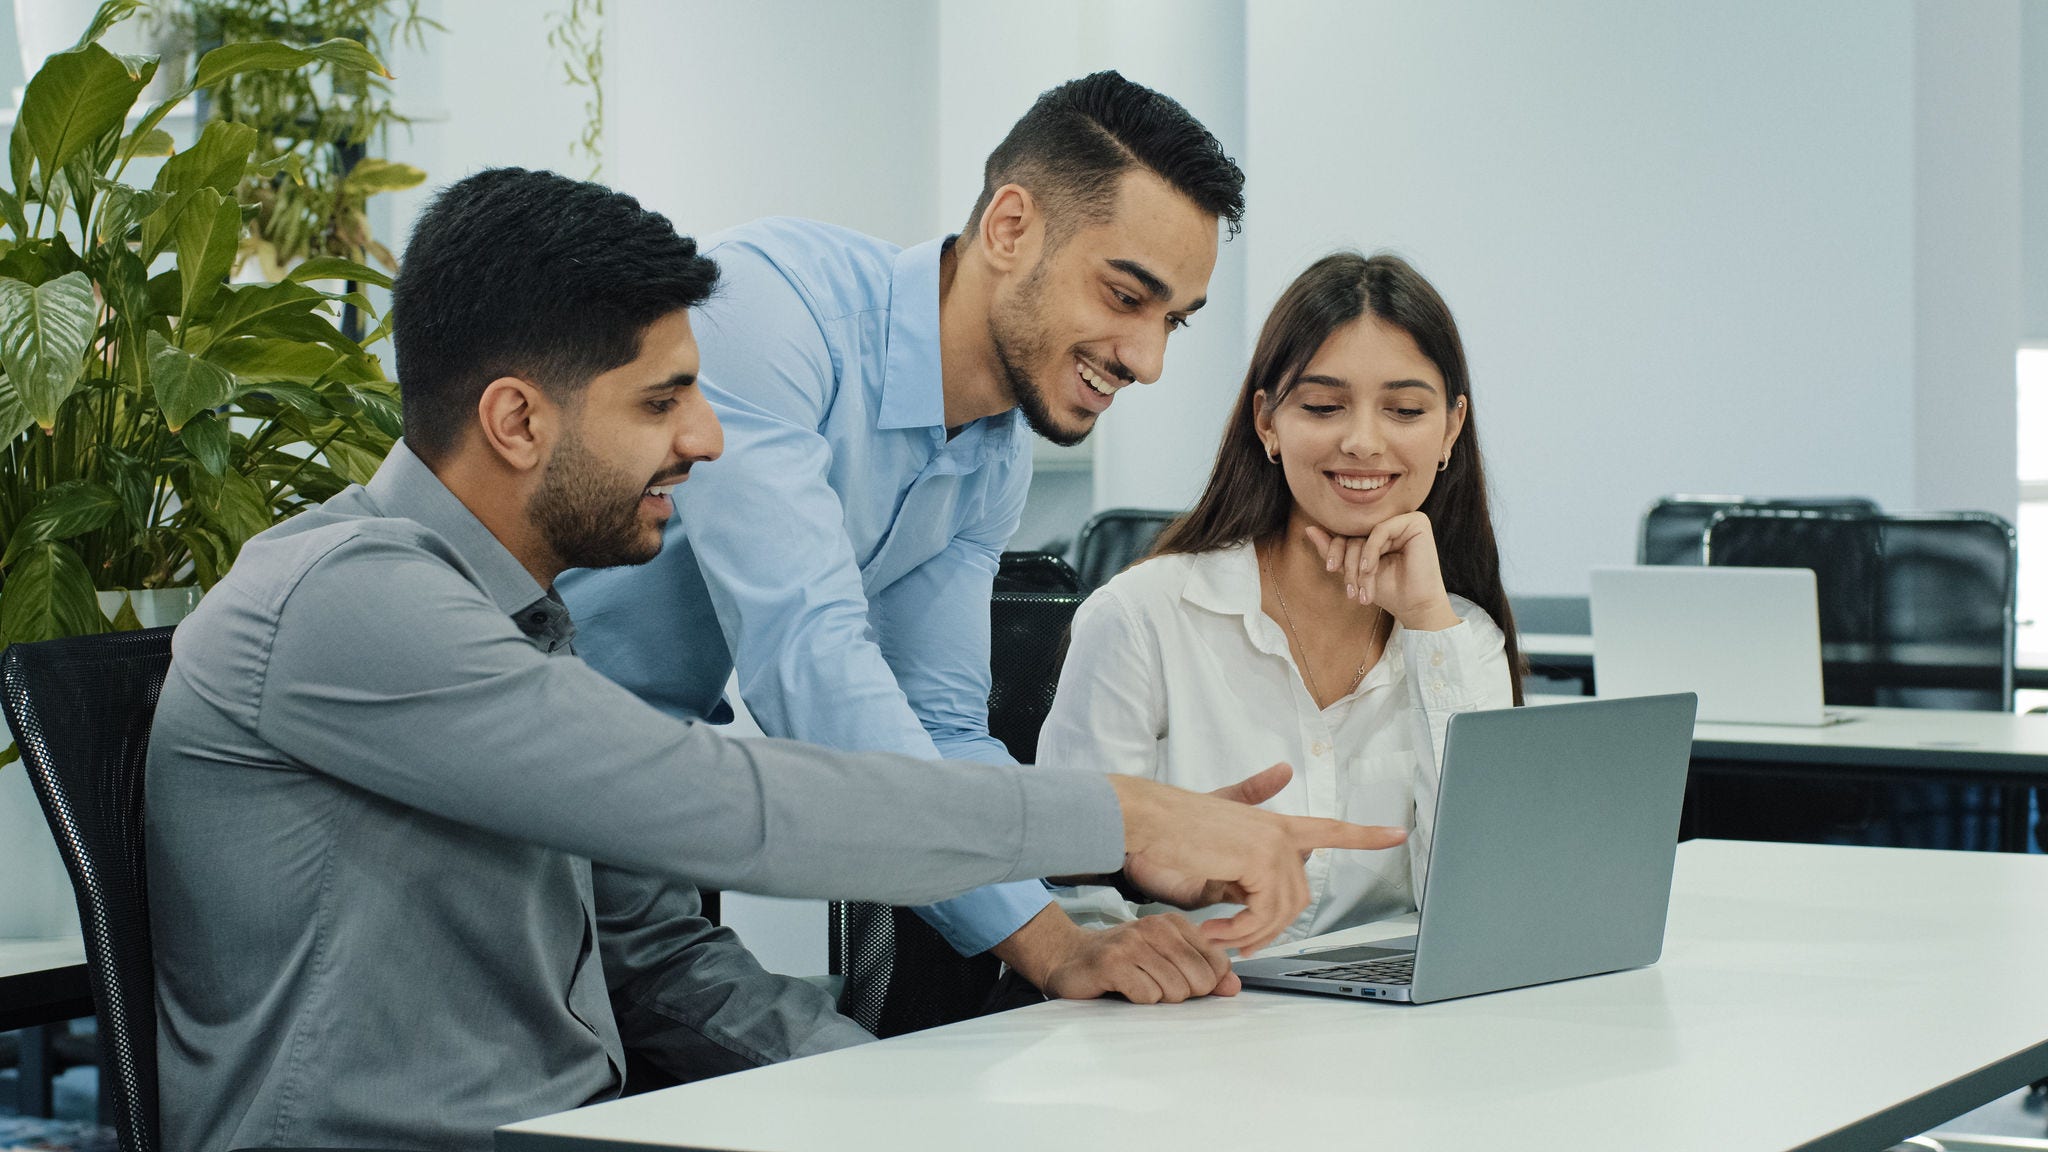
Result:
[132,482]
[11,214]
[276,56]
[260,360]
[232,505]
[49,594]
[336,268]
[20,159]
[77,97]
[217,161]
[14,417]
[69,509]
[149,142]
[206,437]
[352,462]
[205,240]
[44,334]
[144,135]
[298,397]
[249,309]
[110,13]
[125,207]
[125,284]
[382,409]
[185,384]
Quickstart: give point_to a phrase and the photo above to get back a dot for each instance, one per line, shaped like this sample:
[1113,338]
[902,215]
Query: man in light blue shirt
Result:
[878,405]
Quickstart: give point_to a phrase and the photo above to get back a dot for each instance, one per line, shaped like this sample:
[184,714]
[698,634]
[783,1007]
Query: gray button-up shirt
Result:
[378,781]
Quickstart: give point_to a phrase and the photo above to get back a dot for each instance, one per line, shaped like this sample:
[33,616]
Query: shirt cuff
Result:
[1443,667]
[1070,823]
[986,917]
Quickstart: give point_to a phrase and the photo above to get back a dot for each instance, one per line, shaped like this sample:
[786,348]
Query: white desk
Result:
[1571,654]
[1921,743]
[42,982]
[1810,997]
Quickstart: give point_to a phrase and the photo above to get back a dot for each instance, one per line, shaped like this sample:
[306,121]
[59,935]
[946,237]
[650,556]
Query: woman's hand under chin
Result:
[1393,566]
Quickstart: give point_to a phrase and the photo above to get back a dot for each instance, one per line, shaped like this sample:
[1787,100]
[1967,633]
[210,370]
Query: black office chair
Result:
[1673,527]
[901,975]
[1035,572]
[1916,611]
[81,709]
[1112,541]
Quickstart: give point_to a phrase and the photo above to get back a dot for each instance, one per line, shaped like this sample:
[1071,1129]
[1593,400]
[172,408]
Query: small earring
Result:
[1272,454]
[1444,463]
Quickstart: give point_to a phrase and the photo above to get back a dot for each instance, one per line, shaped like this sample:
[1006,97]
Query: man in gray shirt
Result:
[416,871]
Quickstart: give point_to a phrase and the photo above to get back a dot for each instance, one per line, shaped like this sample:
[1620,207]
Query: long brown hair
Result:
[1248,499]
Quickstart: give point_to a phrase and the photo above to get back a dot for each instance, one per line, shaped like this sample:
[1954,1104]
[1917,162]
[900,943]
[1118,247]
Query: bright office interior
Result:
[1743,247]
[1748,247]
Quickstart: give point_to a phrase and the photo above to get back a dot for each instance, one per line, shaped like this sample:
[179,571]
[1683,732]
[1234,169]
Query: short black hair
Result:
[528,274]
[1070,149]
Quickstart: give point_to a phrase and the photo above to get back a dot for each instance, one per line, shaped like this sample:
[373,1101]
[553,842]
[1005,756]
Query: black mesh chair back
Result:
[1035,572]
[901,975]
[81,709]
[1843,552]
[1027,646]
[1916,609]
[1112,541]
[1674,526]
[1948,608]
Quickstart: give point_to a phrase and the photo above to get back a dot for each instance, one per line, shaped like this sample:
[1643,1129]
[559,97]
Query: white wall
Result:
[1678,238]
[1967,244]
[2034,170]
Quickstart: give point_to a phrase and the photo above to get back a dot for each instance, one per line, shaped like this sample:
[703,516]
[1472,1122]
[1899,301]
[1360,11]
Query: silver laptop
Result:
[1556,830]
[1746,639]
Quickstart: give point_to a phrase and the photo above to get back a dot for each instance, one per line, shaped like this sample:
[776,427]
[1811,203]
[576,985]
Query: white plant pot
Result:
[155,607]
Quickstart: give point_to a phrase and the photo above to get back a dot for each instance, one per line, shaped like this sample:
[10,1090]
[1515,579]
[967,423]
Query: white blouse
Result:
[1176,673]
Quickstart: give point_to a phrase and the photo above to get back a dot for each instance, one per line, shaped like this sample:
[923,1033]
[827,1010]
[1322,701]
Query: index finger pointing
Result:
[1314,832]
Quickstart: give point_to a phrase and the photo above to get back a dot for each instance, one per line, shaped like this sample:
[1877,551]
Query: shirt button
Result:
[1437,659]
[1319,748]
[1438,685]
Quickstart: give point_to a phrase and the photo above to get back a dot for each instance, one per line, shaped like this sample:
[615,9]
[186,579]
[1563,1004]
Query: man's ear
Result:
[519,422]
[1012,229]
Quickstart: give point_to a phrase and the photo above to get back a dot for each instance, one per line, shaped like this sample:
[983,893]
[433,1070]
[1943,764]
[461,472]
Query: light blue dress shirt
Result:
[841,553]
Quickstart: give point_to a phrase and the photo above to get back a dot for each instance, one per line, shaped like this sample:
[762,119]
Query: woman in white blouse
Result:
[1331,600]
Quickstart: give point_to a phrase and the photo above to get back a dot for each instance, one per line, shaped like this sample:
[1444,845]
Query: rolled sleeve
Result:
[1463,668]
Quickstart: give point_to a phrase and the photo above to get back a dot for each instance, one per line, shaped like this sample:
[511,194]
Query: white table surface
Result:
[1539,644]
[1931,739]
[1809,997]
[26,957]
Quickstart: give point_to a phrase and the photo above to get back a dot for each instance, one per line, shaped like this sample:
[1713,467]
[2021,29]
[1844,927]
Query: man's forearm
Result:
[1038,947]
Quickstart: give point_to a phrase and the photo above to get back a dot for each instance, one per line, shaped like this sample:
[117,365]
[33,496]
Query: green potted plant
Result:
[153,416]
[313,174]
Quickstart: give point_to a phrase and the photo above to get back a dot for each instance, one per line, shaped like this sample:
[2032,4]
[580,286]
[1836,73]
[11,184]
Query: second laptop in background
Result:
[1747,640]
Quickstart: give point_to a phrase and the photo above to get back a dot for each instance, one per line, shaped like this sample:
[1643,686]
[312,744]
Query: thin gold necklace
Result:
[1287,617]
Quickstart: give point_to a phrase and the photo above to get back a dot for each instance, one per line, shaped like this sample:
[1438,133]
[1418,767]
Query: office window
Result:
[2033,523]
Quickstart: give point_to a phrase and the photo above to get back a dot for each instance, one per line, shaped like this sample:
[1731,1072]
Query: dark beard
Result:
[1029,400]
[580,515]
[1022,314]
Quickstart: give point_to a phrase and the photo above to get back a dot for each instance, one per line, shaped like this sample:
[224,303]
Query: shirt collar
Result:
[1225,581]
[913,386]
[406,488]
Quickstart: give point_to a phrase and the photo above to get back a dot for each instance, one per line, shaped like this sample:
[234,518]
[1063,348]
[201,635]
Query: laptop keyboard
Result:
[1394,970]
